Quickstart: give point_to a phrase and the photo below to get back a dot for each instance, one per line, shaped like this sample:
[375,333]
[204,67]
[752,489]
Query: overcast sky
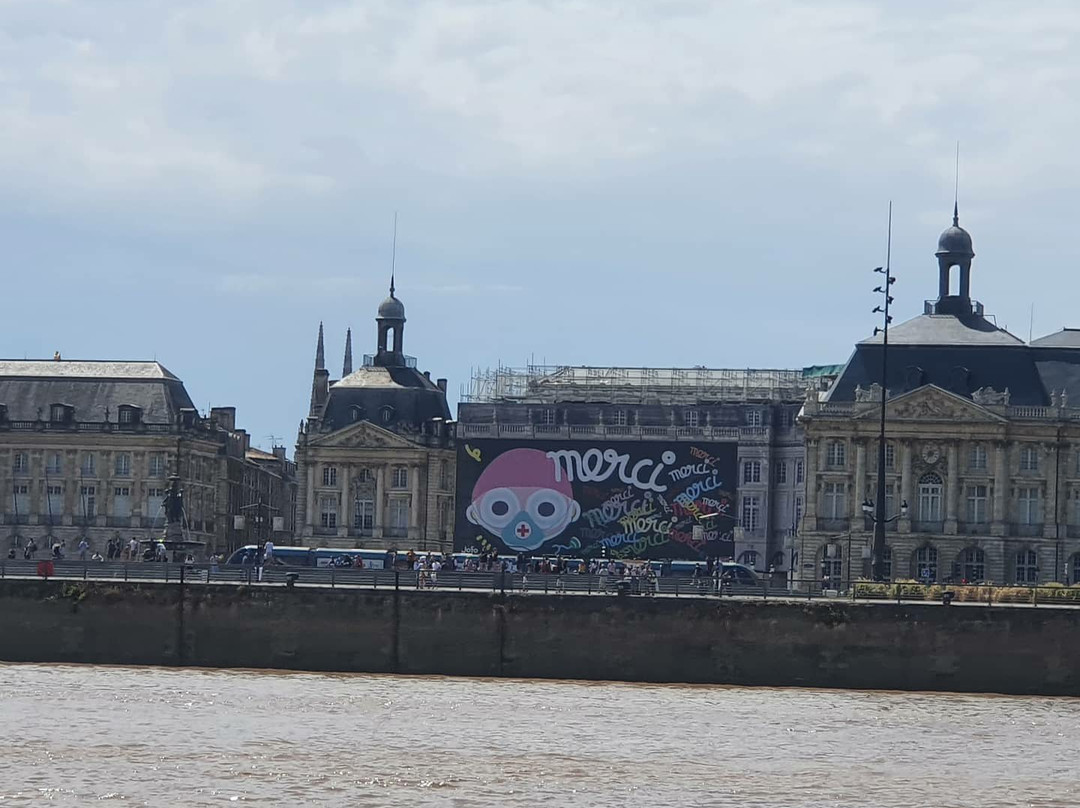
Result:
[641,182]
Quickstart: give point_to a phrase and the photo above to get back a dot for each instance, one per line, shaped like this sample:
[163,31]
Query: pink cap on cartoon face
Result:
[521,468]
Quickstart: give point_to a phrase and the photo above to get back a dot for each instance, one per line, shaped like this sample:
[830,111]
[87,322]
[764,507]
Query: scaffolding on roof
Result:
[551,383]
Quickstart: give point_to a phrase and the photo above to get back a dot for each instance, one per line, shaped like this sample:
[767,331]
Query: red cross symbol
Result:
[523,530]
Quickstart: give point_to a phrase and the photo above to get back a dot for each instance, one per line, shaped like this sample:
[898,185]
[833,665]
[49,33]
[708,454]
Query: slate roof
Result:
[28,388]
[1065,338]
[947,329]
[412,397]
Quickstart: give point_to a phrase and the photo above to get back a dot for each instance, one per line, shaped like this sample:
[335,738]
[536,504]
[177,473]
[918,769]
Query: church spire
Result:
[320,353]
[955,213]
[347,368]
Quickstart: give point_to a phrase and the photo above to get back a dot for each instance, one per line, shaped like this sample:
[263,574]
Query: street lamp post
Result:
[870,511]
[878,551]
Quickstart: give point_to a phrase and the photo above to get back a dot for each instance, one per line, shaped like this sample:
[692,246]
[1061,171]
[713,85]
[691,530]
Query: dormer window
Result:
[356,414]
[3,413]
[387,414]
[128,415]
[60,413]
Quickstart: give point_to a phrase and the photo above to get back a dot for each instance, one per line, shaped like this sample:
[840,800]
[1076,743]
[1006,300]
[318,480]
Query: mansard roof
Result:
[95,390]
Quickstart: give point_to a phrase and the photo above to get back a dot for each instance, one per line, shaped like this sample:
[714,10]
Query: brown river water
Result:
[83,735]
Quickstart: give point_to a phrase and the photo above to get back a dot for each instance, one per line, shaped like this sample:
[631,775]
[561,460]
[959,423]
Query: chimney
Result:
[427,375]
[442,384]
[225,417]
[279,453]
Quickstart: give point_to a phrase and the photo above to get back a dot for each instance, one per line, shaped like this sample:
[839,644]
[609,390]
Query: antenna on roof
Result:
[393,257]
[1031,321]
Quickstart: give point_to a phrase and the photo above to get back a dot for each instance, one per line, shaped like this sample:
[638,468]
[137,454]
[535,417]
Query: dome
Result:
[391,309]
[956,240]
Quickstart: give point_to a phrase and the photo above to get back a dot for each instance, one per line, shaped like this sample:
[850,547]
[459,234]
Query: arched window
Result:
[930,498]
[886,563]
[832,563]
[749,558]
[926,566]
[356,413]
[1027,567]
[972,564]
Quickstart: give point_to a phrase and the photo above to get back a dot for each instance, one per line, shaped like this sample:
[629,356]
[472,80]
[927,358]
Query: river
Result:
[76,735]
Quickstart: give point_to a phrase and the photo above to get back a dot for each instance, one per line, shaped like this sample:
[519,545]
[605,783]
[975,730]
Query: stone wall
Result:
[820,644]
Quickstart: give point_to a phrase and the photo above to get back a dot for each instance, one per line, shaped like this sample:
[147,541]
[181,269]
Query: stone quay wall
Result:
[814,644]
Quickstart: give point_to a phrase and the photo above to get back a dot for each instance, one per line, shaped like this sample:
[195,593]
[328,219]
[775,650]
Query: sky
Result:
[601,182]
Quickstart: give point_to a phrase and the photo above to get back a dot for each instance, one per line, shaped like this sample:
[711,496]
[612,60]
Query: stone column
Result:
[1001,489]
[309,517]
[952,481]
[858,489]
[903,525]
[810,492]
[345,482]
[380,497]
[414,501]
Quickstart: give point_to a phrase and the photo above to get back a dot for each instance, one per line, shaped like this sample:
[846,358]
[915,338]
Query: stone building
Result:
[983,447]
[86,448]
[375,455]
[744,420]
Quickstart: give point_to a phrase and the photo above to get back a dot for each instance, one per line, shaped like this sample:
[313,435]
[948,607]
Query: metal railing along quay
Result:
[509,582]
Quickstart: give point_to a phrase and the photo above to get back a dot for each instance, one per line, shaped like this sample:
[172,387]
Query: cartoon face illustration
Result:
[518,499]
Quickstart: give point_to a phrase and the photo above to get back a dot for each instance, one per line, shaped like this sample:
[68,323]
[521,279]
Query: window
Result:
[751,471]
[54,464]
[781,472]
[21,463]
[800,467]
[88,464]
[55,504]
[797,514]
[1027,567]
[1029,458]
[123,464]
[121,501]
[356,413]
[753,417]
[690,418]
[618,418]
[926,563]
[751,513]
[399,513]
[329,475]
[976,504]
[836,454]
[749,558]
[364,514]
[88,501]
[547,417]
[328,512]
[1075,569]
[155,503]
[387,415]
[834,501]
[126,415]
[977,458]
[1027,502]
[886,563]
[784,419]
[930,498]
[444,475]
[399,477]
[890,456]
[22,498]
[58,414]
[365,476]
[832,564]
[157,464]
[973,564]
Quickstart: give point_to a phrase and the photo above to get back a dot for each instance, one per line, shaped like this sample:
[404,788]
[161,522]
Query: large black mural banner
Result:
[580,499]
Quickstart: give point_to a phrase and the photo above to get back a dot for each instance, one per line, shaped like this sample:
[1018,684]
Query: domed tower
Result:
[954,250]
[391,321]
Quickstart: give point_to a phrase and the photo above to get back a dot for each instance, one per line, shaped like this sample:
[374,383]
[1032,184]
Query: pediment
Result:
[361,435]
[932,403]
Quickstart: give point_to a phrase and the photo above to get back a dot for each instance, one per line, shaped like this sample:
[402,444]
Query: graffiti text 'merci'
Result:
[596,466]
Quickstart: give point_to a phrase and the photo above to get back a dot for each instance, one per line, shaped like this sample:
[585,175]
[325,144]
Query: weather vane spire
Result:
[956,190]
[393,257]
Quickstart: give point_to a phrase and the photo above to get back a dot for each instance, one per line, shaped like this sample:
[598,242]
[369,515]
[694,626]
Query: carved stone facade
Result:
[376,454]
[992,491]
[983,449]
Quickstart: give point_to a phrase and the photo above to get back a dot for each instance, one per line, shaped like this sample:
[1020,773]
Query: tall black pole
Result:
[880,517]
